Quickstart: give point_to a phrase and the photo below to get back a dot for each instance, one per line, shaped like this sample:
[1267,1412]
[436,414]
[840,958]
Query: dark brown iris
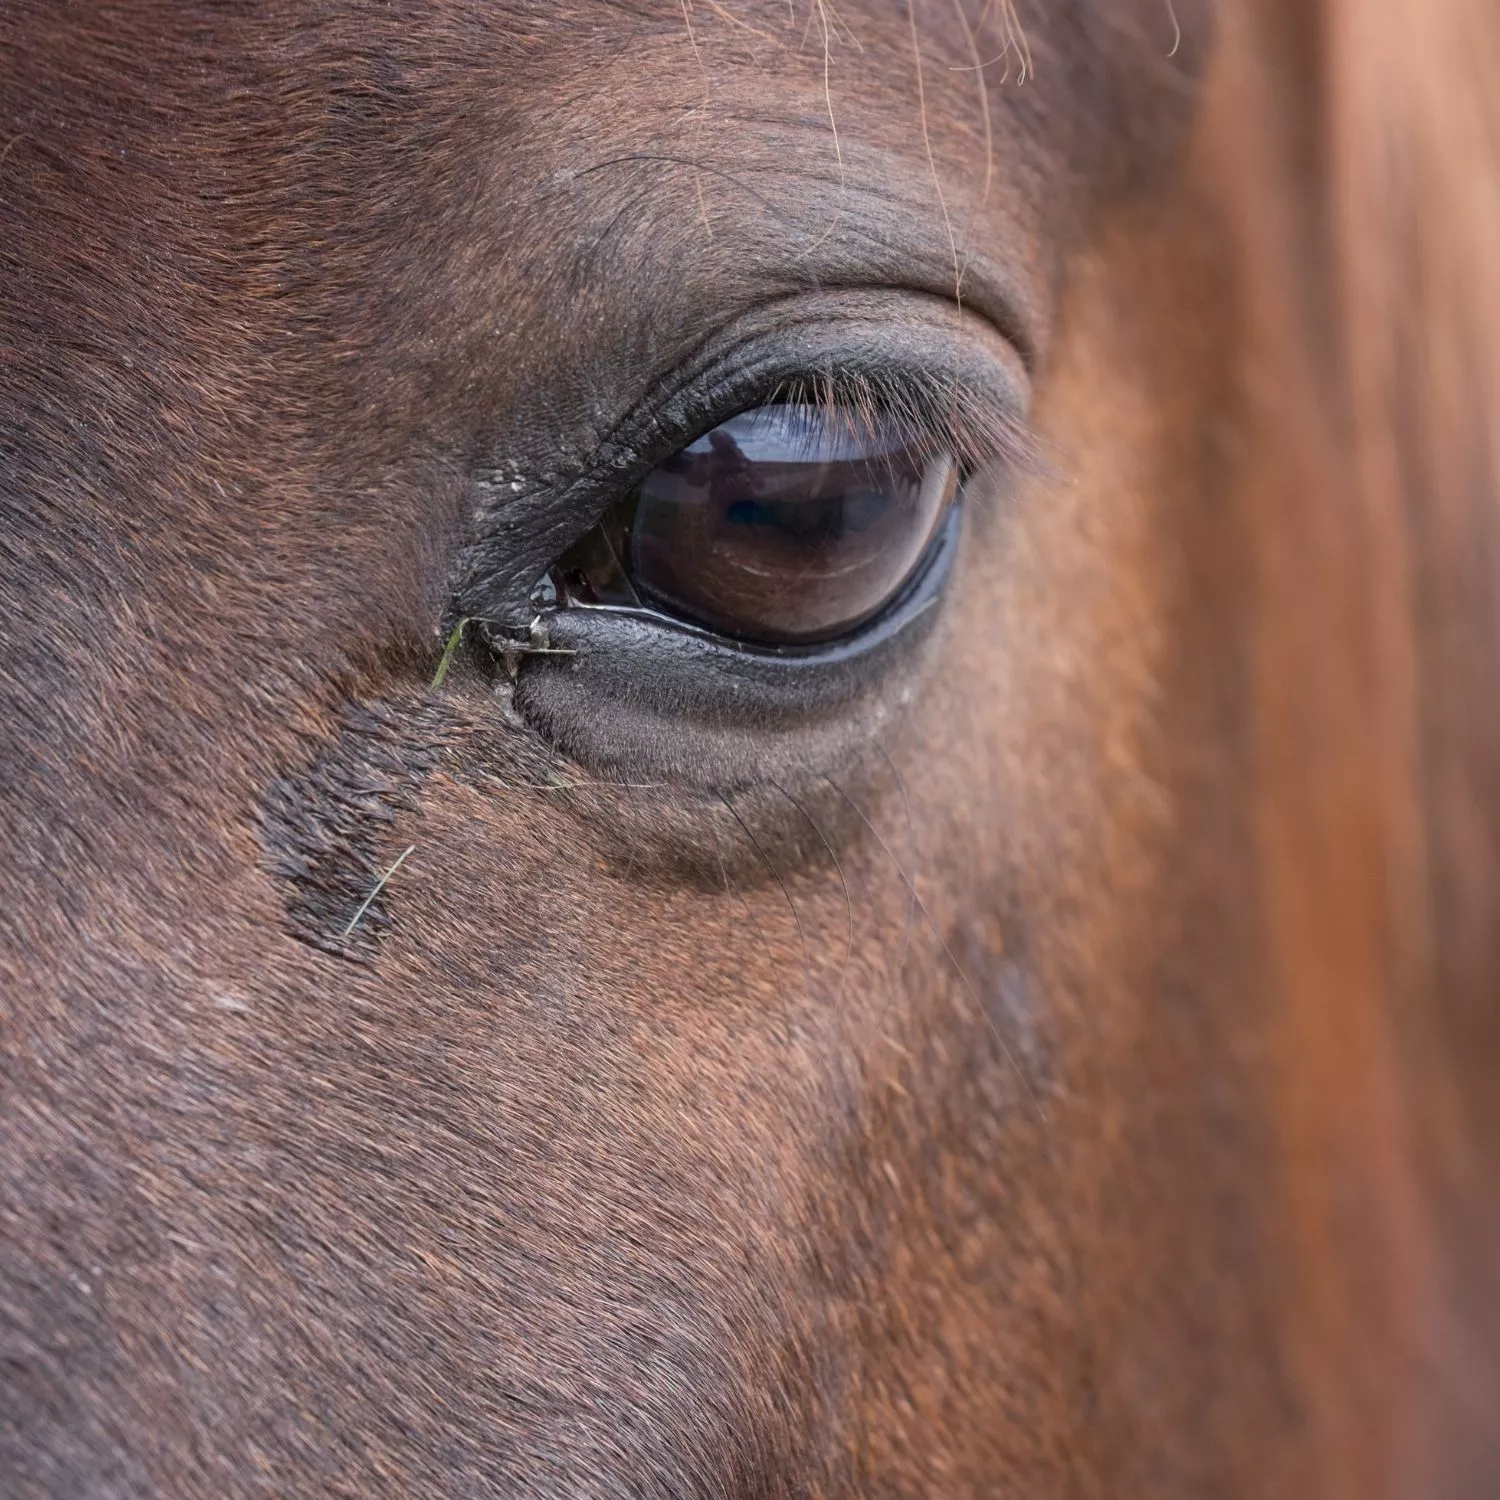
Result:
[786,525]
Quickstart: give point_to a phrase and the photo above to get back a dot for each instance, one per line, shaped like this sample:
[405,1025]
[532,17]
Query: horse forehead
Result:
[274,158]
[366,100]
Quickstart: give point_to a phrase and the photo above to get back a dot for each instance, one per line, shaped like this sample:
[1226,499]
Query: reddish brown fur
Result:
[1138,1136]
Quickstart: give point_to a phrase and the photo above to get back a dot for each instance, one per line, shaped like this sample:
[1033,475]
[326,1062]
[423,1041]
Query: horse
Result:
[749,748]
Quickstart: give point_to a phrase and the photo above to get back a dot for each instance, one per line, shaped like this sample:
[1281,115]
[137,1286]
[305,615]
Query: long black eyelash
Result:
[932,415]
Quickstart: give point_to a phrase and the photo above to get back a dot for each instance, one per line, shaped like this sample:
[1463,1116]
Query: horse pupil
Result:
[781,525]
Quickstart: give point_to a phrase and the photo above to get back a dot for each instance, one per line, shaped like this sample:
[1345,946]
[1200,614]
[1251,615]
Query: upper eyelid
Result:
[729,381]
[946,411]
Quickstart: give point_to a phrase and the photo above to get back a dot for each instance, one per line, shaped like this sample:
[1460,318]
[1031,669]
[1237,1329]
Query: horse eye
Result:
[786,525]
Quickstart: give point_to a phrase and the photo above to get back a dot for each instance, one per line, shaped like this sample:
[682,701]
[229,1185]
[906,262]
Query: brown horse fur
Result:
[1080,1084]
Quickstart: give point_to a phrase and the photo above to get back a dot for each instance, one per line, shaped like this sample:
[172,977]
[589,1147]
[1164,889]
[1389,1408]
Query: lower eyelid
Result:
[642,695]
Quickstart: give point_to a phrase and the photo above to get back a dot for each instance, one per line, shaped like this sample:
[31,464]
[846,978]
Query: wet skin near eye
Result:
[748,1075]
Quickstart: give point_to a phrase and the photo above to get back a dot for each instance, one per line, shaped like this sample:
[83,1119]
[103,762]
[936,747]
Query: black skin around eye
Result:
[788,524]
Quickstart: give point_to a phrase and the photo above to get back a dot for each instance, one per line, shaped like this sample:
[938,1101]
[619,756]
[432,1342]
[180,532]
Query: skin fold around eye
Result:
[745,578]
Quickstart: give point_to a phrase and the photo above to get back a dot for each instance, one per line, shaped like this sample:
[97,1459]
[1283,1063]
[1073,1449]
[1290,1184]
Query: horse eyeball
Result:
[788,525]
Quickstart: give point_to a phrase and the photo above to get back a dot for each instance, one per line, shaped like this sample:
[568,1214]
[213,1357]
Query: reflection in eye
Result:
[787,524]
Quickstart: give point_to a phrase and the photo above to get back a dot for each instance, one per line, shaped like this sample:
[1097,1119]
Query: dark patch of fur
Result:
[327,829]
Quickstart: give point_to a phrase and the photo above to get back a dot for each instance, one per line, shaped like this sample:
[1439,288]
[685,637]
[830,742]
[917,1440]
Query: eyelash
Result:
[933,416]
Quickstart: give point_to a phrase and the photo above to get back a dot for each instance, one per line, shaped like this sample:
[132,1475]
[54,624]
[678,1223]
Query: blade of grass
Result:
[454,637]
[380,885]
